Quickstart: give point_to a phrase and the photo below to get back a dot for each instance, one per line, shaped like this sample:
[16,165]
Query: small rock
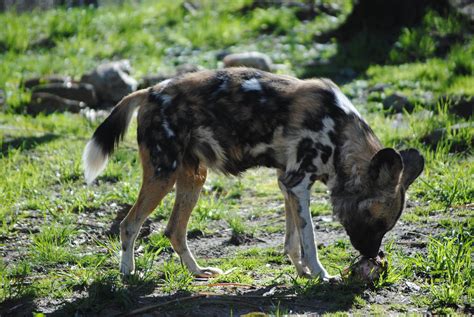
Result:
[53,79]
[465,7]
[195,233]
[48,103]
[461,106]
[379,87]
[151,80]
[433,138]
[325,219]
[412,286]
[221,54]
[428,97]
[397,103]
[95,114]
[399,122]
[240,238]
[187,68]
[112,81]
[79,92]
[43,42]
[249,59]
[464,108]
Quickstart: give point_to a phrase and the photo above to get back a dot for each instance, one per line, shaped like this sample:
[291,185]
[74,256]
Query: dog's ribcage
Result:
[235,119]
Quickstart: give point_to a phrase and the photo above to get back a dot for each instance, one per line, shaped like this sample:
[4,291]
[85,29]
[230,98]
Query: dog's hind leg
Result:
[153,190]
[292,240]
[188,186]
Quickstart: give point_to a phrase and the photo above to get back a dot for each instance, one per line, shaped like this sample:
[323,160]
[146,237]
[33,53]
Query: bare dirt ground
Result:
[224,299]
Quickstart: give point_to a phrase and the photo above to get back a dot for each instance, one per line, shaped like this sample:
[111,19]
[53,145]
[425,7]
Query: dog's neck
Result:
[357,144]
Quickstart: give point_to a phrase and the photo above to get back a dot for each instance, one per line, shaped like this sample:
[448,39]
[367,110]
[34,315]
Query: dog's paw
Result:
[324,276]
[207,272]
[303,271]
[127,263]
[127,269]
[333,279]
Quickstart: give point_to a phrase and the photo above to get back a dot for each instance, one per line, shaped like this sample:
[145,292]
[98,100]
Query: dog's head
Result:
[368,215]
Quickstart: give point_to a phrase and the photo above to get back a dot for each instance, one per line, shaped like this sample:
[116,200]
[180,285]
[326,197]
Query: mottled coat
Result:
[235,119]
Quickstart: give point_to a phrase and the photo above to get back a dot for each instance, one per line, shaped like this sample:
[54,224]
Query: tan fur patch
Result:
[206,135]
[305,101]
[356,162]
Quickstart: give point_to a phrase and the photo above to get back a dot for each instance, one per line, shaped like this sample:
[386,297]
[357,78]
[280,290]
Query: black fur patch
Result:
[291,179]
[207,150]
[160,135]
[305,154]
[325,151]
[386,157]
[312,121]
[111,131]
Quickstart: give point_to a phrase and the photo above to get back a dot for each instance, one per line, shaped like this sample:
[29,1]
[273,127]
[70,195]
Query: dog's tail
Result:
[109,134]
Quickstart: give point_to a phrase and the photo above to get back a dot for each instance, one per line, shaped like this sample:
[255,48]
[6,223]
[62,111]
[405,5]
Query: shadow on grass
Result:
[106,297]
[22,306]
[369,34]
[102,298]
[114,230]
[25,143]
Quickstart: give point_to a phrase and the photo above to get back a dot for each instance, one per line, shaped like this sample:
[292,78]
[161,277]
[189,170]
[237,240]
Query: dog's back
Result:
[232,119]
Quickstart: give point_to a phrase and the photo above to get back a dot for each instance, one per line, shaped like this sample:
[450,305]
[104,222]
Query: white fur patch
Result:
[259,149]
[163,84]
[94,161]
[166,127]
[344,103]
[251,85]
[328,124]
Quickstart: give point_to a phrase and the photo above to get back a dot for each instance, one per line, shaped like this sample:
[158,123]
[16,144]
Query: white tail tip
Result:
[94,161]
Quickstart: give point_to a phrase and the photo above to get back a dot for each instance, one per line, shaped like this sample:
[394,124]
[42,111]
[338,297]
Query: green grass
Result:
[448,267]
[423,41]
[54,229]
[155,36]
[50,245]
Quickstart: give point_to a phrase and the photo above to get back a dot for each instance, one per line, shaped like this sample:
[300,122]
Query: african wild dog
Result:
[234,119]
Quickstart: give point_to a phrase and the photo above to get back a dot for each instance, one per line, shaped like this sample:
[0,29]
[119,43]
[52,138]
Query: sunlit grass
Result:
[41,178]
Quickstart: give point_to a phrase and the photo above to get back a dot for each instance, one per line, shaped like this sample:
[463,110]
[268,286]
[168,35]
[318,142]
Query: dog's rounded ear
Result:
[385,168]
[413,163]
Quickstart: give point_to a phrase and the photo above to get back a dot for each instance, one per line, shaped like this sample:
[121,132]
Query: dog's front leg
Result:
[298,195]
[292,242]
[292,239]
